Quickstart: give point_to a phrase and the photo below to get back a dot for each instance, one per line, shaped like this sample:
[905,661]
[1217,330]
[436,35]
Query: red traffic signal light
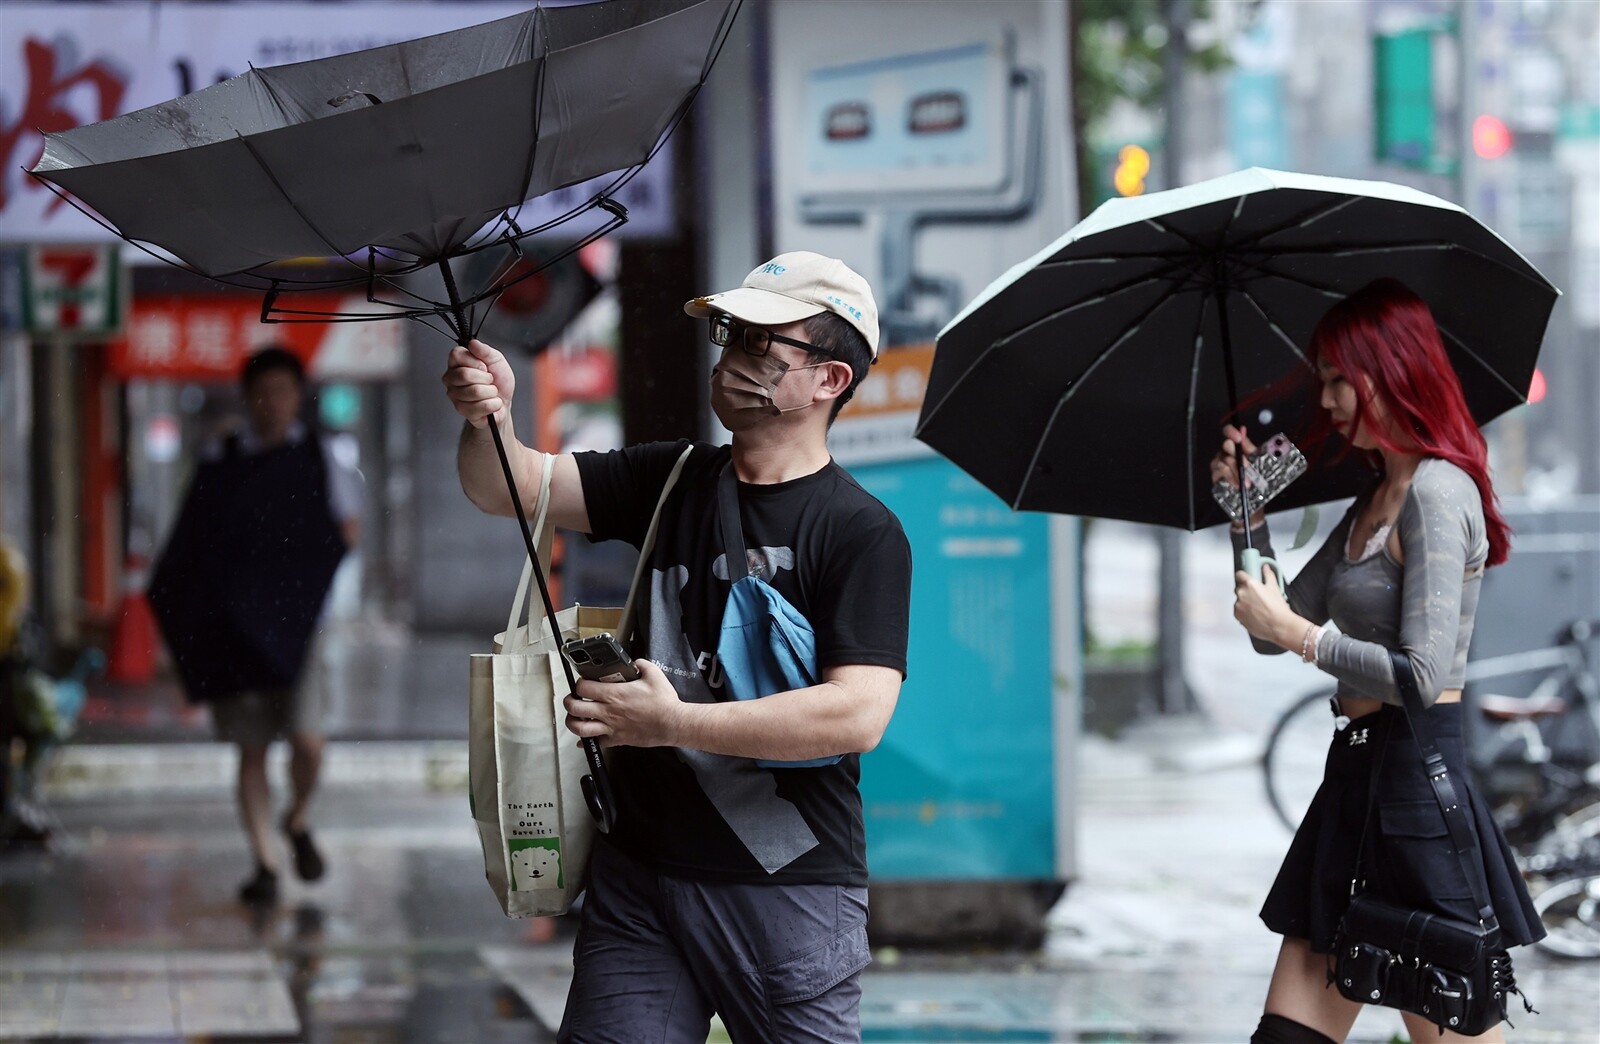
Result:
[1491,138]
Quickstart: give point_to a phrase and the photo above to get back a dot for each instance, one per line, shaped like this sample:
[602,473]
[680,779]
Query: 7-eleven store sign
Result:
[74,290]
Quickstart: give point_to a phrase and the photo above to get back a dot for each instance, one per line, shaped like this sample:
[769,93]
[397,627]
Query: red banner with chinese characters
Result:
[208,337]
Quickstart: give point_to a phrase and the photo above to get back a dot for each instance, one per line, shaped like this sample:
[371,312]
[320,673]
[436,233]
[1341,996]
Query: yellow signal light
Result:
[1133,163]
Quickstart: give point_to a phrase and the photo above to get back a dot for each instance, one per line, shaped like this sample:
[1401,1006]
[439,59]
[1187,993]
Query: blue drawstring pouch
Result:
[766,645]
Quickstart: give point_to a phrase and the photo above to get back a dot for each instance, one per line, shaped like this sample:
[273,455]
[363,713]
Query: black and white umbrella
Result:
[1092,379]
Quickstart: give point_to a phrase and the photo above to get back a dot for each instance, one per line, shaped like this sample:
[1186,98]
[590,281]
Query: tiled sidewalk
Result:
[126,994]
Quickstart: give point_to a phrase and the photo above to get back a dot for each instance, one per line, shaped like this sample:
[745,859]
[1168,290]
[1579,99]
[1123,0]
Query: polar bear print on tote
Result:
[536,867]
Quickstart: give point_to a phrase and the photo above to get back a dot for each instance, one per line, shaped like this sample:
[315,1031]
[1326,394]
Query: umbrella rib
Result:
[1044,436]
[1272,324]
[1219,247]
[333,251]
[1002,341]
[184,266]
[724,30]
[538,110]
[1161,226]
[1194,396]
[1396,248]
[496,288]
[1521,395]
[628,174]
[1261,269]
[1101,259]
[1302,220]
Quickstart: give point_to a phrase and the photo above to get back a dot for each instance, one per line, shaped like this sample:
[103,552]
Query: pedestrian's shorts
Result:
[256,718]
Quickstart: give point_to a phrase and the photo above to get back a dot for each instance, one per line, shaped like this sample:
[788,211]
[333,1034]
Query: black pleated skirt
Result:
[1409,858]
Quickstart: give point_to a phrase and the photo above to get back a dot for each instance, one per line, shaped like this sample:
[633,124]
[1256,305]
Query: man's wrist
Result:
[684,726]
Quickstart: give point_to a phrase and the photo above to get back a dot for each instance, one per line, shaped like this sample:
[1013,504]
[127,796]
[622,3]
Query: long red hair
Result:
[1387,334]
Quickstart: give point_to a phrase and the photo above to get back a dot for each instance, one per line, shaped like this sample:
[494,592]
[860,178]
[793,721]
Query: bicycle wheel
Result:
[1296,751]
[1570,846]
[1570,910]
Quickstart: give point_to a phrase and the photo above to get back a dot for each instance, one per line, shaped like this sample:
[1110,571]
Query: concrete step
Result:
[118,770]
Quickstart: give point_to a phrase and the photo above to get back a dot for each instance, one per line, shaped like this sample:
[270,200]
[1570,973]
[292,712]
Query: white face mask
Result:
[744,388]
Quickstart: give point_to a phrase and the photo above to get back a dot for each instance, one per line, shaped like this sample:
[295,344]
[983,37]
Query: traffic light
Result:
[1133,163]
[1407,118]
[1491,138]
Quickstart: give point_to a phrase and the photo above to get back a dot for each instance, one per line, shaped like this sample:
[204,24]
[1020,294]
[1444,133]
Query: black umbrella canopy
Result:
[412,147]
[1093,378]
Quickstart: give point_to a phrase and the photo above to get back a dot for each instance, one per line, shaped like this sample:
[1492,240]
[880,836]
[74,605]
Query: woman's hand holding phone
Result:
[1225,465]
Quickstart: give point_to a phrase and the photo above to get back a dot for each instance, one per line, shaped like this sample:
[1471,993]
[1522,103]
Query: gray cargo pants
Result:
[655,956]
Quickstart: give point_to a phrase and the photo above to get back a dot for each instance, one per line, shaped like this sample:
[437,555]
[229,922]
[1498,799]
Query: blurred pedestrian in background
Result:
[730,883]
[26,706]
[38,712]
[240,594]
[1401,571]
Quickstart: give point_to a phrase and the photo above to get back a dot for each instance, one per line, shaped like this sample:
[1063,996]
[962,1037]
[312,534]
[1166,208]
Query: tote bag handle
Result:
[540,538]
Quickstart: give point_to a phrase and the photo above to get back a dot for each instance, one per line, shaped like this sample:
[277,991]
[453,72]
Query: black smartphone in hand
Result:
[601,657]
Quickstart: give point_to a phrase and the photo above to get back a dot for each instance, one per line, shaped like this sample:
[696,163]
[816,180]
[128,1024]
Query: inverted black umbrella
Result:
[401,158]
[1092,378]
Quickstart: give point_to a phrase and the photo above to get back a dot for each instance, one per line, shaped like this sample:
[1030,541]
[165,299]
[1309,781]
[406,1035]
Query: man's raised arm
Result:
[480,384]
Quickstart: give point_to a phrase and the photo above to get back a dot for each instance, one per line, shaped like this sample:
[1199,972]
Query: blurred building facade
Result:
[95,439]
[1303,93]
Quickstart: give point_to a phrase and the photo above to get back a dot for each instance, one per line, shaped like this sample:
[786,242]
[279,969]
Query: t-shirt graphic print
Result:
[842,559]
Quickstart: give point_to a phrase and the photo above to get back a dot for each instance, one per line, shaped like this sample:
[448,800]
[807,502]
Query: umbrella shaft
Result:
[1220,292]
[596,791]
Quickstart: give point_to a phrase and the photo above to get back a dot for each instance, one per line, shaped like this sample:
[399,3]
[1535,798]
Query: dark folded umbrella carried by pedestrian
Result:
[1092,378]
[399,159]
[237,611]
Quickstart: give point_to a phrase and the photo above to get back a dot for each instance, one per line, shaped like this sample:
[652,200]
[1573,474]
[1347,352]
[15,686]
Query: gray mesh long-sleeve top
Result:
[1424,608]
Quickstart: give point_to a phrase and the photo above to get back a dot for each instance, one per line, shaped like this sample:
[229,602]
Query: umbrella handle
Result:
[597,789]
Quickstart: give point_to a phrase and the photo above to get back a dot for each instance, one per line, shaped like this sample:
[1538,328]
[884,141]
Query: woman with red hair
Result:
[1401,571]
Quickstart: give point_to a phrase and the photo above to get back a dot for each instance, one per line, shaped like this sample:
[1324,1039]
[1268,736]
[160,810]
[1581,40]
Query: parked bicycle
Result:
[1539,768]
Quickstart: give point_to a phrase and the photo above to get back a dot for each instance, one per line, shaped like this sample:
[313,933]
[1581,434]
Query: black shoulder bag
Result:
[1456,974]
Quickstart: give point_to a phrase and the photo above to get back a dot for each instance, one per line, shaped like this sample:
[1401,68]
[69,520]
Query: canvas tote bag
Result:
[523,765]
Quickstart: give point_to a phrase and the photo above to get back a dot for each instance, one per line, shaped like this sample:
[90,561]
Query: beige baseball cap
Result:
[796,286]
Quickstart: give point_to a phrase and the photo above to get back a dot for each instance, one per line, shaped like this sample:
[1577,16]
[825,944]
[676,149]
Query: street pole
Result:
[1175,695]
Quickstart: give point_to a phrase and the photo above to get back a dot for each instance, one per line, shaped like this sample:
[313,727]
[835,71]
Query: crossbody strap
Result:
[631,607]
[1372,797]
[1462,838]
[732,530]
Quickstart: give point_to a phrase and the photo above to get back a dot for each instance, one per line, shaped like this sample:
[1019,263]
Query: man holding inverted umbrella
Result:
[406,157]
[735,878]
[1371,312]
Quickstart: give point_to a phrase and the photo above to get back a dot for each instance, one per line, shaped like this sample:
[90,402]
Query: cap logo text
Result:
[847,307]
[773,268]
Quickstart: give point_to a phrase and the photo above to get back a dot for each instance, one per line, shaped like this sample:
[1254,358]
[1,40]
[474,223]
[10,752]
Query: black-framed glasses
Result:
[755,340]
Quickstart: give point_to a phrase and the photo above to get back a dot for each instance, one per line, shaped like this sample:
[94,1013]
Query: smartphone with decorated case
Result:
[1267,472]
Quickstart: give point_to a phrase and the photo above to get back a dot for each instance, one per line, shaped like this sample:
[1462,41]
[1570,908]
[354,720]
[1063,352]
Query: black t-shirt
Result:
[841,558]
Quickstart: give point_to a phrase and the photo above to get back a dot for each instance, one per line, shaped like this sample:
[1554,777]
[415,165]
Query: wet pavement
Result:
[127,928]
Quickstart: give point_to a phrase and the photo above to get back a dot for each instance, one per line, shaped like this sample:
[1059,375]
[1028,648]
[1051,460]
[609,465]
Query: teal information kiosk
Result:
[968,782]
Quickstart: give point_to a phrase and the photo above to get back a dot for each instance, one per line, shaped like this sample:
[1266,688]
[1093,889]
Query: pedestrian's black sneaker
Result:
[307,860]
[260,890]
